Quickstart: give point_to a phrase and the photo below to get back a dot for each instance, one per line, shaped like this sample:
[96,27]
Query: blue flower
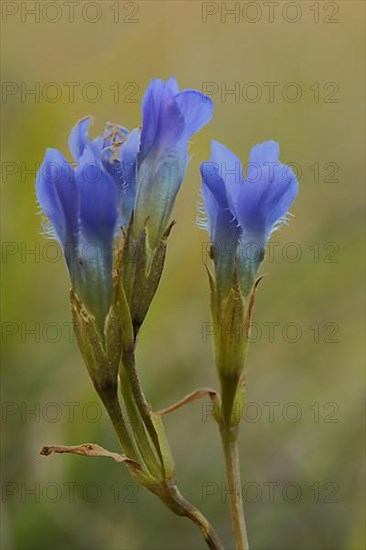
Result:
[242,210]
[169,119]
[118,176]
[81,206]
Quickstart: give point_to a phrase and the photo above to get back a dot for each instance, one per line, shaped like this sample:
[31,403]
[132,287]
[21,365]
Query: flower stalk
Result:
[242,211]
[229,439]
[165,486]
[118,201]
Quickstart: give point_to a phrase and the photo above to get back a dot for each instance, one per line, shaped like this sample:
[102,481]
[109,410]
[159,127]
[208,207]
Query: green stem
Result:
[115,413]
[167,490]
[173,499]
[148,455]
[229,438]
[142,404]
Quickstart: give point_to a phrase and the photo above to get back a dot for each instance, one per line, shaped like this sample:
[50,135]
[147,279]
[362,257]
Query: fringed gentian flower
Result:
[117,175]
[169,119]
[81,205]
[243,211]
[110,213]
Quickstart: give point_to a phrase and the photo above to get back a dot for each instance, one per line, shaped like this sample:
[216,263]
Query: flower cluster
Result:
[111,212]
[121,179]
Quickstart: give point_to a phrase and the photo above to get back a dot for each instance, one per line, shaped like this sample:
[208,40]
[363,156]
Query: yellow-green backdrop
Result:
[296,70]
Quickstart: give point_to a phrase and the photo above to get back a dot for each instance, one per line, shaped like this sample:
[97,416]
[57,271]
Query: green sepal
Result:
[231,341]
[119,329]
[102,370]
[113,332]
[141,273]
[166,454]
[231,317]
[141,301]
[213,296]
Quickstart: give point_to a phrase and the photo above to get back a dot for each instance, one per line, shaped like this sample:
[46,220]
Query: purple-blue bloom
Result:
[169,118]
[116,175]
[242,210]
[81,205]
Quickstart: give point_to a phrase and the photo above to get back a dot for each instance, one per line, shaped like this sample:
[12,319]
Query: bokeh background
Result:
[311,449]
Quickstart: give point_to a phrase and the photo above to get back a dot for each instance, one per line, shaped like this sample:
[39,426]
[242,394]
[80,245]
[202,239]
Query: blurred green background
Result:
[311,448]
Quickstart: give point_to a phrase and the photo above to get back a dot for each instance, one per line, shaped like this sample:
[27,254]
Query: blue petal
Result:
[223,227]
[224,235]
[79,137]
[221,223]
[47,195]
[173,85]
[128,160]
[159,180]
[150,114]
[231,172]
[210,172]
[98,216]
[58,197]
[268,192]
[211,207]
[268,151]
[197,110]
[98,199]
[170,117]
[162,121]
[171,123]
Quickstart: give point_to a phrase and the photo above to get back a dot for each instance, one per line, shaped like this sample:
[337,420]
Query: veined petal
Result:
[159,180]
[128,162]
[58,197]
[162,120]
[224,236]
[171,123]
[210,206]
[98,217]
[47,196]
[98,199]
[170,117]
[222,225]
[231,172]
[79,137]
[150,114]
[283,193]
[210,172]
[268,192]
